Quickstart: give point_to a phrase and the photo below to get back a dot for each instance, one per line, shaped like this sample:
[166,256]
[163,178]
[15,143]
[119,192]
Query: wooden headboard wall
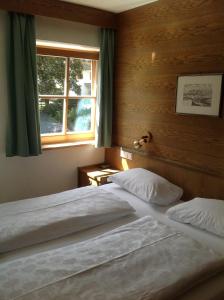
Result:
[195,183]
[156,43]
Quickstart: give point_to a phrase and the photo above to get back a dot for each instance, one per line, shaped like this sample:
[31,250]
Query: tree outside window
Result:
[66,87]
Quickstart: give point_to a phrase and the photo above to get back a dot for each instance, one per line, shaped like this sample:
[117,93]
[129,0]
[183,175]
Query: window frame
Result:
[68,137]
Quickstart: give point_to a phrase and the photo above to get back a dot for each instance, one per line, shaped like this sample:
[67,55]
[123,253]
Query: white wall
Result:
[57,30]
[55,170]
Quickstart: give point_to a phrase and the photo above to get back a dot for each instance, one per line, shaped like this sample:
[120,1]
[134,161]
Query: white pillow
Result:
[207,214]
[148,186]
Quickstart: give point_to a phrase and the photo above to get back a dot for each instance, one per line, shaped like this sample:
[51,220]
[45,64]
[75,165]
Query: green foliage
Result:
[51,81]
[77,109]
[75,71]
[72,114]
[53,109]
[51,74]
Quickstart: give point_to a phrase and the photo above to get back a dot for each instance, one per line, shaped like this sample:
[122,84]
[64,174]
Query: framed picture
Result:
[199,94]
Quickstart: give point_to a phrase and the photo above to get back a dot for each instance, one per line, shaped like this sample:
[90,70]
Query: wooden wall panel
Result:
[193,181]
[156,43]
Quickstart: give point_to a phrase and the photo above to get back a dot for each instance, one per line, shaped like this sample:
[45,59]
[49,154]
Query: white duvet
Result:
[142,260]
[35,220]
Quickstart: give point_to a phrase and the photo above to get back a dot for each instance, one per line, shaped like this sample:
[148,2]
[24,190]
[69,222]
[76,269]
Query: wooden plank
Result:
[67,52]
[61,10]
[179,34]
[182,137]
[195,182]
[189,60]
[168,11]
[179,149]
[173,162]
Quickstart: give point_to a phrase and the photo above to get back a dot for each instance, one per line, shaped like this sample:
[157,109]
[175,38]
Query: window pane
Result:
[51,75]
[80,77]
[51,116]
[79,115]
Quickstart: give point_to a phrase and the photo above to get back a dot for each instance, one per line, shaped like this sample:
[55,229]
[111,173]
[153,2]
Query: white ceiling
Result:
[115,6]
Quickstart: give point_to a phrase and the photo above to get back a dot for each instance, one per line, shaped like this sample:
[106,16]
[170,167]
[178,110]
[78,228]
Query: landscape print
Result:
[197,95]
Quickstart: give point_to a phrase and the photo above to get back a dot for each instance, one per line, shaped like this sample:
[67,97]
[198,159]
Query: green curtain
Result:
[105,88]
[23,129]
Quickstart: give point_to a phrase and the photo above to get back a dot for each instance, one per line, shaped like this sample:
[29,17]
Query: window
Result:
[67,94]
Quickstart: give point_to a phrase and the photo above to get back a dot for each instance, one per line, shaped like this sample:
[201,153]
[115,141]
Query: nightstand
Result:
[94,175]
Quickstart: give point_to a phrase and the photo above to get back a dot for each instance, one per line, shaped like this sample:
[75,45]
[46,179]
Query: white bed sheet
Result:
[211,289]
[149,261]
[159,212]
[31,221]
[142,209]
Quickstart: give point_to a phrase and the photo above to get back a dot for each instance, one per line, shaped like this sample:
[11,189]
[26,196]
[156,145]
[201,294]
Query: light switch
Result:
[125,154]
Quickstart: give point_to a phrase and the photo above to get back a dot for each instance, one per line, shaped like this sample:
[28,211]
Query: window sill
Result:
[65,145]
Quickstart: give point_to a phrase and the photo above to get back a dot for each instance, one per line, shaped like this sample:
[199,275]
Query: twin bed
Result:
[105,243]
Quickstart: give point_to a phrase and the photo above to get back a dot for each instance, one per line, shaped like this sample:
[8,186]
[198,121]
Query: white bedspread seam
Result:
[101,264]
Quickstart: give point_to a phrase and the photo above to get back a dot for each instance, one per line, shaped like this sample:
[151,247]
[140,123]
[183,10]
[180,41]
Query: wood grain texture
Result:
[67,52]
[156,43]
[195,183]
[61,10]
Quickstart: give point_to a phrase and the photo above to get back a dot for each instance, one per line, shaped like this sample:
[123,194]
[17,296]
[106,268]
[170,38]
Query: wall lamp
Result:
[143,140]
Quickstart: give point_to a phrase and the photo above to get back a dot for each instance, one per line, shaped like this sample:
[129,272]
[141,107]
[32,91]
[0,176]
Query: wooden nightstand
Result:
[94,175]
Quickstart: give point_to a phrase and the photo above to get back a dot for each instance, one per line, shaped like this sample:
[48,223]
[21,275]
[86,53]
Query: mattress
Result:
[205,291]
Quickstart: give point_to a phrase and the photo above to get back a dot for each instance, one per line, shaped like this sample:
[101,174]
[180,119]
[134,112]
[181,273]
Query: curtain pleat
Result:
[105,89]
[23,129]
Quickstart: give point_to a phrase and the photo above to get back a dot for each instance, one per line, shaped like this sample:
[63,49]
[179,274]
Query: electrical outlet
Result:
[125,154]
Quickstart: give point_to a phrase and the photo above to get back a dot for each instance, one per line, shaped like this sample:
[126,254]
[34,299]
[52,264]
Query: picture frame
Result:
[199,94]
